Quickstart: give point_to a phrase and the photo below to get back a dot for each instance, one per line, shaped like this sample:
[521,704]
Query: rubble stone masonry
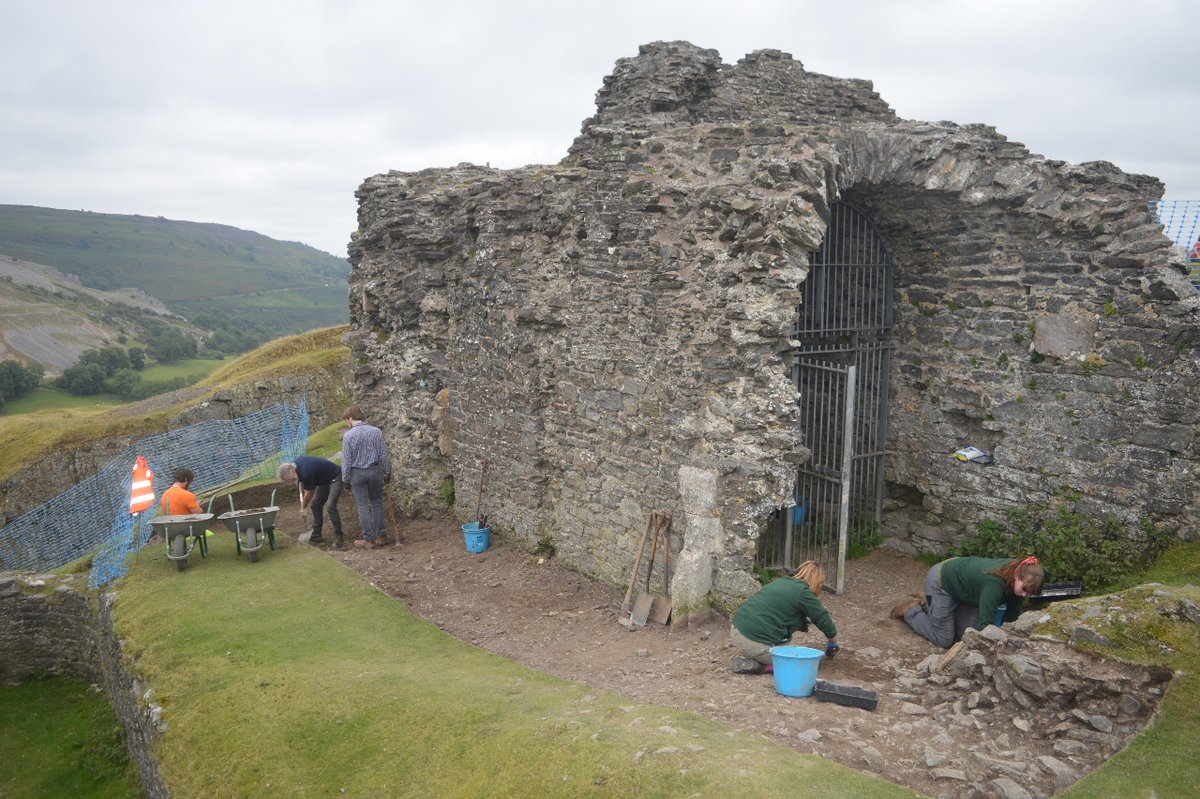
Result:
[612,332]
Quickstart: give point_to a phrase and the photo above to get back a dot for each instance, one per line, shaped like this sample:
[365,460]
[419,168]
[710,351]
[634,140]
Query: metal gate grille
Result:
[841,371]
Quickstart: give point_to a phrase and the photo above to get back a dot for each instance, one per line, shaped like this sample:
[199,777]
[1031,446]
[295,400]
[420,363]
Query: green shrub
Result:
[931,558]
[766,575]
[1099,550]
[448,491]
[865,538]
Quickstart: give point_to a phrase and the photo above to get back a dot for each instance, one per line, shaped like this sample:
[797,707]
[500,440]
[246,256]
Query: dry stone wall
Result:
[50,625]
[613,333]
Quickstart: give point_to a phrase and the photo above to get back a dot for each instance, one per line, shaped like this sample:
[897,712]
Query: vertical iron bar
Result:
[844,504]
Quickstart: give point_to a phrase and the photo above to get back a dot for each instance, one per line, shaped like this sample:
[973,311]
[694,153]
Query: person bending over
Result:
[320,482]
[968,592]
[779,609]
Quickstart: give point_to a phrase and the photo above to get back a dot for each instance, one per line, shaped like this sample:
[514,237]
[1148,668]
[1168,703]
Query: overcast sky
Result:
[268,115]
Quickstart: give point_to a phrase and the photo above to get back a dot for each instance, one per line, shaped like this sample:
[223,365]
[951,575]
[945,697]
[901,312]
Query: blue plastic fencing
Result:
[1181,222]
[93,516]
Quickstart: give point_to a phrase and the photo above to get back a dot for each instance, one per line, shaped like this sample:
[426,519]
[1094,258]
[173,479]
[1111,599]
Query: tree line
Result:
[17,379]
[114,369]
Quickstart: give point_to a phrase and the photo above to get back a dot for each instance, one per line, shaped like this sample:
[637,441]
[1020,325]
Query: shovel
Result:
[645,602]
[660,608]
[479,500]
[637,563]
[307,531]
[642,605]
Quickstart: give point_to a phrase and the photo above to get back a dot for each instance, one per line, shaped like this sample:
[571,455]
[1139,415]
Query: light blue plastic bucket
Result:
[478,538]
[795,669]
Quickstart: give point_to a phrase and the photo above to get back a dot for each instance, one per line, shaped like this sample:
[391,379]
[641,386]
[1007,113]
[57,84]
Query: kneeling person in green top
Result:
[969,592]
[780,608]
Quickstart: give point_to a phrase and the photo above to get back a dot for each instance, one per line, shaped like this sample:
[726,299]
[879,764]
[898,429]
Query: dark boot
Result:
[743,665]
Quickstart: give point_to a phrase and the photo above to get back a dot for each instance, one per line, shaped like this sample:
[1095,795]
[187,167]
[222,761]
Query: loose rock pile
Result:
[1019,690]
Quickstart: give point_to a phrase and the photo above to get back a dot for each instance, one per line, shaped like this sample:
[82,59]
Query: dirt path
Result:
[538,613]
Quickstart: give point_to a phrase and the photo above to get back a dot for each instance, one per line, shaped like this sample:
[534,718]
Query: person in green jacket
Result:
[770,617]
[966,592]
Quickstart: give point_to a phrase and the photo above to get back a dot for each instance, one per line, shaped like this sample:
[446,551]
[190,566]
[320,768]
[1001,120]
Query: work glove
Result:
[832,648]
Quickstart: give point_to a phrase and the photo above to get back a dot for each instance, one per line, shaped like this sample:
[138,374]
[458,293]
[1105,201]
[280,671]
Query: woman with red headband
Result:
[966,592]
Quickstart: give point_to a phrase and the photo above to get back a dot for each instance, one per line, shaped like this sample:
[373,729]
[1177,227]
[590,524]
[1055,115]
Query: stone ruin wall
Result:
[52,625]
[612,332]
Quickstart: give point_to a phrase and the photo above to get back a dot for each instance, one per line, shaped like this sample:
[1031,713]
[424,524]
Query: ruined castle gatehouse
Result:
[665,320]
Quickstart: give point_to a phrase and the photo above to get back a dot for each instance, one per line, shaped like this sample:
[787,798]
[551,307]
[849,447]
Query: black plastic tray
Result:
[845,695]
[1053,591]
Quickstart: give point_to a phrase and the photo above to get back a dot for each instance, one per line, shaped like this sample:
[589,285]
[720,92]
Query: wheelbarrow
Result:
[252,528]
[183,534]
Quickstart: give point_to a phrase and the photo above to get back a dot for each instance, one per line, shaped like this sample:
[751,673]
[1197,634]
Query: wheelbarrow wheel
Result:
[253,552]
[179,550]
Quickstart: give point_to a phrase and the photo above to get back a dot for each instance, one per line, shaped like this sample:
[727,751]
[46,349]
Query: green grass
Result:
[61,739]
[52,399]
[295,677]
[197,368]
[327,442]
[1161,761]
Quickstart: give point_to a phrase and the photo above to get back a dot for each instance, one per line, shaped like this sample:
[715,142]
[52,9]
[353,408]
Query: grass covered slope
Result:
[170,259]
[294,677]
[1155,623]
[222,278]
[27,438]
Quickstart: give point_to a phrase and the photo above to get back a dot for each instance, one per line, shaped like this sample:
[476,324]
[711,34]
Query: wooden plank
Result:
[950,655]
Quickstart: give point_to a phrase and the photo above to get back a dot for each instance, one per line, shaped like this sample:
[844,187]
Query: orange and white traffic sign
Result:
[142,494]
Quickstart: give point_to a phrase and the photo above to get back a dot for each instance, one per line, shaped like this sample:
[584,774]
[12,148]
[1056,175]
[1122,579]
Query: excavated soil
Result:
[937,734]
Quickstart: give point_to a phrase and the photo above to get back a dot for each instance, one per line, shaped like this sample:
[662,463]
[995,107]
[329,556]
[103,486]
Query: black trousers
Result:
[322,494]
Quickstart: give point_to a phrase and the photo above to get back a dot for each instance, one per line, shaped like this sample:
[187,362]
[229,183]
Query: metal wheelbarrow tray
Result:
[251,527]
[176,530]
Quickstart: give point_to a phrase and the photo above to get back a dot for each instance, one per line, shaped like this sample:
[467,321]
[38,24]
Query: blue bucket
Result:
[478,538]
[795,669]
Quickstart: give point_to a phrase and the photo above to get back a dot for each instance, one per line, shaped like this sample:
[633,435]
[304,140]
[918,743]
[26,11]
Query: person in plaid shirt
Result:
[366,467]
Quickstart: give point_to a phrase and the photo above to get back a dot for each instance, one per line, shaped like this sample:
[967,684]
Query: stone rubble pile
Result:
[1024,696]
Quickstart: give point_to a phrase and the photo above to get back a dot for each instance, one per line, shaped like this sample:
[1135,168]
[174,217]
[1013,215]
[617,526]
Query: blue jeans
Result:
[367,484]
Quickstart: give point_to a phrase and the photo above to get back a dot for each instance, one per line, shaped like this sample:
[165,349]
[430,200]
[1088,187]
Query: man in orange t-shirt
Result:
[177,500]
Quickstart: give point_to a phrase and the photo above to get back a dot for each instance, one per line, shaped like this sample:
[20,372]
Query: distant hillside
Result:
[217,276]
[48,317]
